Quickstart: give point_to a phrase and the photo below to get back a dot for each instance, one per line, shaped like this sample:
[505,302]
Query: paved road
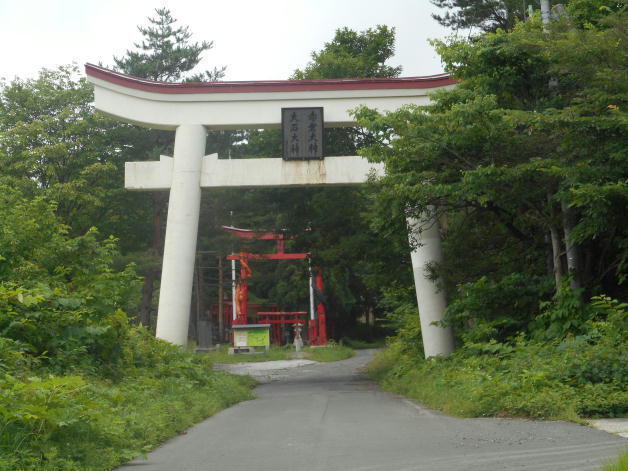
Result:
[329,416]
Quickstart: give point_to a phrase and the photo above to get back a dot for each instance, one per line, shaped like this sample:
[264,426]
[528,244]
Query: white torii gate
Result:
[191,108]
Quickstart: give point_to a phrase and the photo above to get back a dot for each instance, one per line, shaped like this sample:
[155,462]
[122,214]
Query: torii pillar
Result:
[175,294]
[190,108]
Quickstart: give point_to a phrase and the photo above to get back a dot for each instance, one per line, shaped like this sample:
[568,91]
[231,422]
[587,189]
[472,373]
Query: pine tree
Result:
[487,15]
[165,53]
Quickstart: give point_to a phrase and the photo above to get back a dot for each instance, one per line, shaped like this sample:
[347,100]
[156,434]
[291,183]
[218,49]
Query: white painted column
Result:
[431,301]
[175,295]
[312,310]
[234,310]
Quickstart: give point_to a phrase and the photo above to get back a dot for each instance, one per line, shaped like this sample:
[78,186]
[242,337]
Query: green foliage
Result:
[507,160]
[576,377]
[74,377]
[620,465]
[402,316]
[593,12]
[486,309]
[351,54]
[166,52]
[85,422]
[488,15]
[565,315]
[60,299]
[53,144]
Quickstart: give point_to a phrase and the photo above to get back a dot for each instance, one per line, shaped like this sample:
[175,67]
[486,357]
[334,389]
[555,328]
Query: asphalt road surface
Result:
[330,416]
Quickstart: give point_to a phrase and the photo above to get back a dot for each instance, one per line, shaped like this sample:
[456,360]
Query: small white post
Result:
[546,13]
[234,311]
[431,300]
[312,311]
[175,294]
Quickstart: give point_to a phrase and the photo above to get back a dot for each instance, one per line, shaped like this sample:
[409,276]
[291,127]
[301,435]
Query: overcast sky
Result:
[255,39]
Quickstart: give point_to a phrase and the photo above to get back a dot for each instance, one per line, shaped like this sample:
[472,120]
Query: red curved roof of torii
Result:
[129,81]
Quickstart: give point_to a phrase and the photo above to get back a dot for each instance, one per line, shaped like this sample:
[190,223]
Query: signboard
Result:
[240,338]
[251,335]
[259,337]
[302,133]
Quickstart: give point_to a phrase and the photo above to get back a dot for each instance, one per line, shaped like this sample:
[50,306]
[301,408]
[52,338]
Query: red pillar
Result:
[242,290]
[320,310]
[313,331]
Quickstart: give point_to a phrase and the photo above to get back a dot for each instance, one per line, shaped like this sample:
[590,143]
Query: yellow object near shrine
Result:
[251,335]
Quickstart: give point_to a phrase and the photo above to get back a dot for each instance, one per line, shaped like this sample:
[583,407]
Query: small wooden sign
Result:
[302,133]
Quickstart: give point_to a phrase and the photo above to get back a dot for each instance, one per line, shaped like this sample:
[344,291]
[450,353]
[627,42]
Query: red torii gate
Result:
[317,327]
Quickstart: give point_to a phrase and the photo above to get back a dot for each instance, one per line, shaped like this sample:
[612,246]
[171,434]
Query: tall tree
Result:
[353,54]
[166,53]
[495,147]
[53,144]
[489,15]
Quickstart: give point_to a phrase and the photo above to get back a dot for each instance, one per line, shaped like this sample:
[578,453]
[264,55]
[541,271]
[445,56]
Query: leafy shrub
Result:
[483,310]
[403,317]
[60,298]
[80,388]
[565,315]
[577,376]
[79,422]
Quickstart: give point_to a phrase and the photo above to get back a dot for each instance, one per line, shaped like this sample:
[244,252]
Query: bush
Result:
[483,310]
[60,297]
[80,388]
[78,422]
[578,376]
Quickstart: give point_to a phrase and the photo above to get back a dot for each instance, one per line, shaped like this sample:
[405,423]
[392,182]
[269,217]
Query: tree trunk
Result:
[549,256]
[147,300]
[558,269]
[571,249]
[556,249]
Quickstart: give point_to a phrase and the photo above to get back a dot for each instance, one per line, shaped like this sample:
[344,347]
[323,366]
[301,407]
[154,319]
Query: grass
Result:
[541,381]
[331,352]
[79,421]
[620,465]
[274,354]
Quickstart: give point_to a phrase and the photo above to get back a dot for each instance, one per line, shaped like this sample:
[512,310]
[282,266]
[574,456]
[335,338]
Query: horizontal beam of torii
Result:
[190,109]
[255,173]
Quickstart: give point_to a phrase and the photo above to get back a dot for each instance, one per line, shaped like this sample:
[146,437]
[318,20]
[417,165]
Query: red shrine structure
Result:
[317,327]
